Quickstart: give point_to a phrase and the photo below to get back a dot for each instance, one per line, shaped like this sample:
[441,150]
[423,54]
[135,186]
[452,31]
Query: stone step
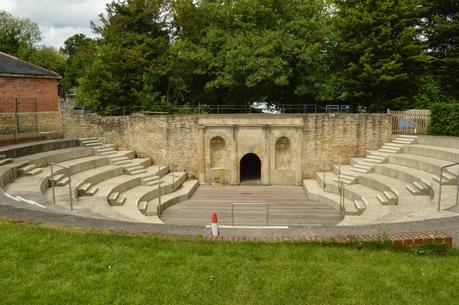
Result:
[152,183]
[113,196]
[345,181]
[402,142]
[89,139]
[413,189]
[382,199]
[123,162]
[92,190]
[151,178]
[94,144]
[134,168]
[117,159]
[419,185]
[64,181]
[407,136]
[374,161]
[360,205]
[108,153]
[137,172]
[389,151]
[369,165]
[6,161]
[120,200]
[357,169]
[84,188]
[2,157]
[142,206]
[28,168]
[366,166]
[34,172]
[395,145]
[378,153]
[101,150]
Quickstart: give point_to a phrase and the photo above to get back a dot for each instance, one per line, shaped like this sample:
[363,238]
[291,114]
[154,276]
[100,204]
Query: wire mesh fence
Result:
[18,116]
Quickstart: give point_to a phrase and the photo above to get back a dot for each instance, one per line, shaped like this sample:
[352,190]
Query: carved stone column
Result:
[201,154]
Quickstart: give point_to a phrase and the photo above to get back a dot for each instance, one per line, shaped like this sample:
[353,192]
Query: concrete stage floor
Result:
[288,205]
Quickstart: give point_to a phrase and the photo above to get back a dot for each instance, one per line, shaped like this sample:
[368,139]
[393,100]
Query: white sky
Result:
[58,19]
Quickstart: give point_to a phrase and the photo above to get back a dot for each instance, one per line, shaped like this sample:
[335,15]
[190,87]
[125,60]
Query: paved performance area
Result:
[288,205]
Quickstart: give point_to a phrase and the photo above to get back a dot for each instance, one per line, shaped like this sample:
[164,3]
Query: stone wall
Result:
[27,122]
[192,143]
[336,138]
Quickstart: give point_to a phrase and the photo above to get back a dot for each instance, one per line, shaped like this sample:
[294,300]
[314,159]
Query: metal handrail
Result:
[441,182]
[158,207]
[70,182]
[250,203]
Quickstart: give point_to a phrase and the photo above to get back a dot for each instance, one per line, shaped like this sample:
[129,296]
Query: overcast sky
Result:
[58,19]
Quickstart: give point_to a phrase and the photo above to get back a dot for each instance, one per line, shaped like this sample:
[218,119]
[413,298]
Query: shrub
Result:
[445,119]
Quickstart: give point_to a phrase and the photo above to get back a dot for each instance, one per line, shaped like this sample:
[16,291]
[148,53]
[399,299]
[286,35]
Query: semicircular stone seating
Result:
[105,182]
[398,182]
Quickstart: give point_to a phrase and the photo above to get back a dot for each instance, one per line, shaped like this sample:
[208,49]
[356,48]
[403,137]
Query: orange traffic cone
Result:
[214,230]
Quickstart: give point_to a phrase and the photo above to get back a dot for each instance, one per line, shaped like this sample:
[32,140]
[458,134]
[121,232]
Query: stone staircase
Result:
[106,182]
[366,165]
[397,182]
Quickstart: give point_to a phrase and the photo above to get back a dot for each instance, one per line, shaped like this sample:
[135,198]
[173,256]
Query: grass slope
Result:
[53,266]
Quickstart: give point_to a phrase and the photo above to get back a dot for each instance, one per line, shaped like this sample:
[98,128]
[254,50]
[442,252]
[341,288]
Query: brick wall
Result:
[26,90]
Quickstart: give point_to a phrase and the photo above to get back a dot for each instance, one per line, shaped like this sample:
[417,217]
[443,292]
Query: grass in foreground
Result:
[60,266]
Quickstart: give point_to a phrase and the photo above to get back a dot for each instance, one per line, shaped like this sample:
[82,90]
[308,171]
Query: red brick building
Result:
[28,101]
[27,83]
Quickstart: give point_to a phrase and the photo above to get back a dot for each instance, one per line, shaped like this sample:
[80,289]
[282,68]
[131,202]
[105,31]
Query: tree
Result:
[240,52]
[123,73]
[80,51]
[49,58]
[382,51]
[442,32]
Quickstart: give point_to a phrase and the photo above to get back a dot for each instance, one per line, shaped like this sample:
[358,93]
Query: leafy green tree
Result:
[382,50]
[49,58]
[123,74]
[442,31]
[18,35]
[240,52]
[80,51]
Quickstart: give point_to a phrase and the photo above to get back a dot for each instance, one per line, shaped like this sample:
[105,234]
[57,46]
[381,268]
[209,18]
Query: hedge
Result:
[445,119]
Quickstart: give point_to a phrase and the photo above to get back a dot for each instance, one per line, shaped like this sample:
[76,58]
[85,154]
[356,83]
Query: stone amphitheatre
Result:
[340,172]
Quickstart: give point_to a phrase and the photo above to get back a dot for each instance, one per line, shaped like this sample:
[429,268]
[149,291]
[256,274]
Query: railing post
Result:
[324,176]
[267,214]
[52,183]
[457,188]
[159,192]
[232,215]
[439,189]
[70,189]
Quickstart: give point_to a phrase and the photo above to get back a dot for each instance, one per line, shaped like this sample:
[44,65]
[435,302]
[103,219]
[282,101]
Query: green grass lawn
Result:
[60,266]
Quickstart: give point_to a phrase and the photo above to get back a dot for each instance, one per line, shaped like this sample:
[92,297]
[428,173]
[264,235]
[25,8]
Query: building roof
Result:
[15,67]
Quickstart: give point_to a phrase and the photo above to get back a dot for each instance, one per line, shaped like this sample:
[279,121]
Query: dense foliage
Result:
[445,119]
[156,54]
[21,37]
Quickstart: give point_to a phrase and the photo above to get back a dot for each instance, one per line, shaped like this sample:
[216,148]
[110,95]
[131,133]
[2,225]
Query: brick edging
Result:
[407,239]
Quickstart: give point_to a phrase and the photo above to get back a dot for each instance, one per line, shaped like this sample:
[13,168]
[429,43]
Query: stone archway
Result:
[250,169]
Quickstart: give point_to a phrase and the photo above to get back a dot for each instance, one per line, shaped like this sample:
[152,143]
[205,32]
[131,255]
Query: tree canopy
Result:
[156,54]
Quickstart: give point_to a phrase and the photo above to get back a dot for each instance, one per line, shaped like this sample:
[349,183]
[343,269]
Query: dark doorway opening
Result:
[250,169]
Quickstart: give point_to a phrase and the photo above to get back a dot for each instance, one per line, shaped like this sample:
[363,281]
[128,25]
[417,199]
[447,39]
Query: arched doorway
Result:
[250,169]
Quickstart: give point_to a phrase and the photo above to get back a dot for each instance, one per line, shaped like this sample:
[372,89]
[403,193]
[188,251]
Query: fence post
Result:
[16,115]
[36,120]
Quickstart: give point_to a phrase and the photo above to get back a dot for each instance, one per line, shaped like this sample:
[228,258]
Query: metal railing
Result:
[441,183]
[223,109]
[53,182]
[158,207]
[250,203]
